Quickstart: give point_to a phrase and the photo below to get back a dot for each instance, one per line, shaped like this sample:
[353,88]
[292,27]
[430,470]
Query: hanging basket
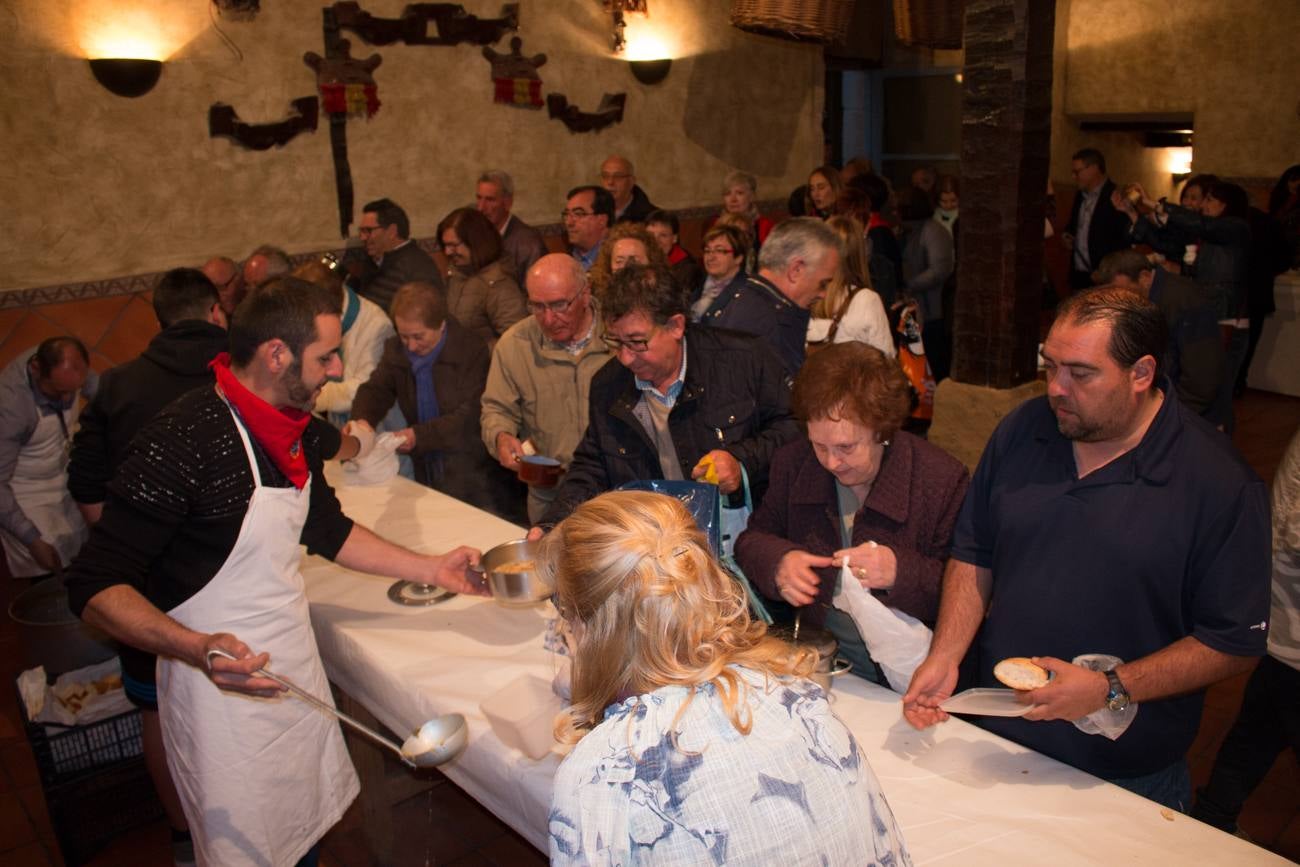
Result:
[800,20]
[929,23]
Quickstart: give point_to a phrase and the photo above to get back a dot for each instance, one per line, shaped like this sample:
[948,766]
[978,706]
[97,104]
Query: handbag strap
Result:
[839,314]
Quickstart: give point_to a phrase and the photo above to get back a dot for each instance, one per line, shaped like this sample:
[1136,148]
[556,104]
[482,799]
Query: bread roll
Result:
[1018,672]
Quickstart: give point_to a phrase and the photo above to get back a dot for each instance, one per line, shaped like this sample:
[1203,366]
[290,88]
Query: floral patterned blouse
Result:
[795,790]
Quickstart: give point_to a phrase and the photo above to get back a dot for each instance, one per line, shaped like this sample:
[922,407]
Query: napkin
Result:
[377,466]
[897,641]
[1106,722]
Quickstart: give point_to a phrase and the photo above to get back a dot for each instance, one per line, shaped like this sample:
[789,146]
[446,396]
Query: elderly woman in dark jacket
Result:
[858,487]
[435,370]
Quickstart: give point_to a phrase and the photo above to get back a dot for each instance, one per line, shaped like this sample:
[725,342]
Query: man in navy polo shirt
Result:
[1105,518]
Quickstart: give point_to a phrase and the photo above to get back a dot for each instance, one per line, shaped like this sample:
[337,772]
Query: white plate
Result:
[986,702]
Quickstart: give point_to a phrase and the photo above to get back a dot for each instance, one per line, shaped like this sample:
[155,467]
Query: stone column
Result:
[1005,149]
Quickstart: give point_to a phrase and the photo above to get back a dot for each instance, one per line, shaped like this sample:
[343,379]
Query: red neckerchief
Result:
[677,254]
[877,221]
[277,431]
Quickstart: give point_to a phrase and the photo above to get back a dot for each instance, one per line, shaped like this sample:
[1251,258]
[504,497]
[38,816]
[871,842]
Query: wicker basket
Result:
[802,20]
[929,23]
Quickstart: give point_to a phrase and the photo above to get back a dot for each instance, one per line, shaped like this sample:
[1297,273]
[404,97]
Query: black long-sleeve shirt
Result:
[176,505]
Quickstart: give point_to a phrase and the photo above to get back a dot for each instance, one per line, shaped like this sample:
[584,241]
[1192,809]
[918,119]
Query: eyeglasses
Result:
[452,245]
[636,344]
[719,251]
[614,176]
[575,213]
[366,231]
[556,307]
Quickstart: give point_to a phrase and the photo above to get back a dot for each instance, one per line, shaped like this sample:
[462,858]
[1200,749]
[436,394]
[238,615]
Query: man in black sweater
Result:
[197,550]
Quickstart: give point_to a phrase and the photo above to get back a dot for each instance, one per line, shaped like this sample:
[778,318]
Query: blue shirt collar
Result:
[668,398]
[588,258]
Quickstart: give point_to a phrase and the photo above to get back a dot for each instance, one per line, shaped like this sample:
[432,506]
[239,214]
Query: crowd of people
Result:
[771,367]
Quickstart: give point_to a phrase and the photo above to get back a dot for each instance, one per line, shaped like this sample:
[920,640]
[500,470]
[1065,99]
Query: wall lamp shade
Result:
[651,71]
[126,76]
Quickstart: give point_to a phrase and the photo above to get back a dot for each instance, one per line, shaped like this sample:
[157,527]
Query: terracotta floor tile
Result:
[473,859]
[146,846]
[442,824]
[1287,843]
[15,828]
[33,801]
[511,850]
[31,855]
[88,319]
[346,849]
[20,765]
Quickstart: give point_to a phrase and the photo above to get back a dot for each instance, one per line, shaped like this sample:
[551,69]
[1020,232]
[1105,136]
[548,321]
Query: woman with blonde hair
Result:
[625,244]
[851,309]
[738,192]
[691,725]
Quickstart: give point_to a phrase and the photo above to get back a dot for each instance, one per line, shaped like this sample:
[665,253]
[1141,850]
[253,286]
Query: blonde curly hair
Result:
[602,269]
[650,607]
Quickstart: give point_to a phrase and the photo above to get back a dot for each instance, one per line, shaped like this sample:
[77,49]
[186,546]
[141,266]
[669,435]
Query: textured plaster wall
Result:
[1232,65]
[99,186]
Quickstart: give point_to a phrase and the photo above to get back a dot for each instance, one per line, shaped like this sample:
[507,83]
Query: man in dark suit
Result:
[1095,228]
[394,259]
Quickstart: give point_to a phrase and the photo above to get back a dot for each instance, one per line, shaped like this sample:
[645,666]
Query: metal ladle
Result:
[437,741]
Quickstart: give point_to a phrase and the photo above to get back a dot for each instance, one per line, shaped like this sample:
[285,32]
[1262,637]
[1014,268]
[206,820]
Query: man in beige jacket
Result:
[535,401]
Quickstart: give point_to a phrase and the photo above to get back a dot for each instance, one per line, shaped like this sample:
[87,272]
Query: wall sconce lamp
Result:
[126,76]
[651,71]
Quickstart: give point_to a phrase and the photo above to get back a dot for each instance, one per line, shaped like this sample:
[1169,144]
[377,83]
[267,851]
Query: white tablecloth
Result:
[960,794]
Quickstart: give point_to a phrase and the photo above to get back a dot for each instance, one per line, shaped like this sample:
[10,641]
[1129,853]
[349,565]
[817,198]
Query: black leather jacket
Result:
[736,397]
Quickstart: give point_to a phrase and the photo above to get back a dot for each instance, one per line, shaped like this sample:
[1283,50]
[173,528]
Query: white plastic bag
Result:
[897,642]
[1106,722]
[378,466]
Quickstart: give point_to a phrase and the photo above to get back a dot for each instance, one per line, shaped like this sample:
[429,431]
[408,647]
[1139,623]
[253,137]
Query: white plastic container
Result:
[523,713]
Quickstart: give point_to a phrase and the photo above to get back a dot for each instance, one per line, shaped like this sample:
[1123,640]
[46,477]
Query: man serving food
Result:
[196,556]
[1106,518]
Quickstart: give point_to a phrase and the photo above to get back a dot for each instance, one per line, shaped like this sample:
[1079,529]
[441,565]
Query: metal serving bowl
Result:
[515,589]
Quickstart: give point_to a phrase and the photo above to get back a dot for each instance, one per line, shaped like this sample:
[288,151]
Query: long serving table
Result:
[960,794]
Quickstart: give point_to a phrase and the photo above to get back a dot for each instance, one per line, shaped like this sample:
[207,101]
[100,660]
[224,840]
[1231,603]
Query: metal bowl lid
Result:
[411,593]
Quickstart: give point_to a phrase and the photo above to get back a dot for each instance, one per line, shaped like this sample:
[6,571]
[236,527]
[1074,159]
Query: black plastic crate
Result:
[95,780]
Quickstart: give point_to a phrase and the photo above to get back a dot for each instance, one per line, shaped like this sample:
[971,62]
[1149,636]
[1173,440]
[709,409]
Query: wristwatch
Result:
[1117,697]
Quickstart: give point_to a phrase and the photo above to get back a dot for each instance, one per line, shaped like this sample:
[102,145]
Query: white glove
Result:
[365,435]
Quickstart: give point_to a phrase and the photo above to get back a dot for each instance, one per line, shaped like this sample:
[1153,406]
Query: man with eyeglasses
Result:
[631,204]
[229,280]
[588,213]
[681,402]
[392,259]
[535,399]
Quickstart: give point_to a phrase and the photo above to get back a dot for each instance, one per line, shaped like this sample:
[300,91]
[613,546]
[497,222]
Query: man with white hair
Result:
[797,262]
[264,263]
[521,243]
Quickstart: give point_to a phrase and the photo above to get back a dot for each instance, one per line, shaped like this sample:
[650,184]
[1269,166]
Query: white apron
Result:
[261,780]
[40,485]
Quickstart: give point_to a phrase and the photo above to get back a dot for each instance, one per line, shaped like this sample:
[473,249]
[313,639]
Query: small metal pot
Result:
[828,665]
[539,471]
[515,589]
